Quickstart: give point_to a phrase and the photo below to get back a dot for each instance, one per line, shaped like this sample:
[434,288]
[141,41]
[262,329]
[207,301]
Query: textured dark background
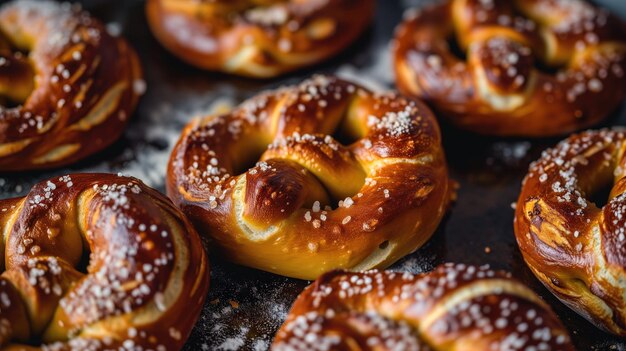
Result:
[245,307]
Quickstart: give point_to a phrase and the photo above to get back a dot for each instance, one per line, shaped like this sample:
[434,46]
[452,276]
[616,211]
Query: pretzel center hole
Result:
[249,160]
[17,74]
[545,68]
[599,184]
[85,261]
[601,194]
[455,48]
[344,137]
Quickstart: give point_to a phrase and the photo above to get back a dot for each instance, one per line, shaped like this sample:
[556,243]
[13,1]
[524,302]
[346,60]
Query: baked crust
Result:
[455,307]
[313,204]
[75,90]
[98,262]
[575,248]
[254,38]
[531,67]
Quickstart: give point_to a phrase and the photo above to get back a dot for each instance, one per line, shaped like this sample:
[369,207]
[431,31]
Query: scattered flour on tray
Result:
[415,263]
[234,343]
[508,153]
[231,315]
[163,125]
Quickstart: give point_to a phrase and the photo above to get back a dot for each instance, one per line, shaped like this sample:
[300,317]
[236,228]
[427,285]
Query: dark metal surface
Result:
[245,307]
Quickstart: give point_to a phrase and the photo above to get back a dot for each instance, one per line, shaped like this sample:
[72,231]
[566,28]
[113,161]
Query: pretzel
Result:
[455,307]
[257,38]
[532,67]
[389,186]
[574,247]
[71,95]
[98,262]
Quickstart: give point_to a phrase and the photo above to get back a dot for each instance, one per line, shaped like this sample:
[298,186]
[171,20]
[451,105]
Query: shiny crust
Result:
[574,247]
[95,262]
[498,89]
[389,187]
[86,85]
[455,307]
[256,38]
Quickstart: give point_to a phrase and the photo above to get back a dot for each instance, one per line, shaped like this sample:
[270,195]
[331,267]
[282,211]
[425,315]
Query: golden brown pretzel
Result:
[75,90]
[98,262]
[390,183]
[257,38]
[455,307]
[502,87]
[573,246]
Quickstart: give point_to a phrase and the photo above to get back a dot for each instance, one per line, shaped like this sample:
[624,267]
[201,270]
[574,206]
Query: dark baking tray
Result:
[245,306]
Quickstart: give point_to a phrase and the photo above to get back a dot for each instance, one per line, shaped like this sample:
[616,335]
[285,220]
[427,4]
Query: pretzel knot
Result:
[97,261]
[528,67]
[390,182]
[454,307]
[257,38]
[574,247]
[70,94]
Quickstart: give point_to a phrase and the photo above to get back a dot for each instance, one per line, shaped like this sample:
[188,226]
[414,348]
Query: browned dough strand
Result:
[577,249]
[455,307]
[75,89]
[257,38]
[502,86]
[313,204]
[98,262]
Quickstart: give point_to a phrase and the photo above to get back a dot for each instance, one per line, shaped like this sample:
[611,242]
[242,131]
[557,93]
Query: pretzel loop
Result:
[454,307]
[73,83]
[534,68]
[311,202]
[259,39]
[97,262]
[574,247]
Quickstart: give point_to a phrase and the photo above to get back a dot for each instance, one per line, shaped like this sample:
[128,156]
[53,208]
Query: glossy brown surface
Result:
[312,203]
[98,261]
[245,307]
[74,87]
[575,247]
[514,68]
[454,307]
[261,39]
